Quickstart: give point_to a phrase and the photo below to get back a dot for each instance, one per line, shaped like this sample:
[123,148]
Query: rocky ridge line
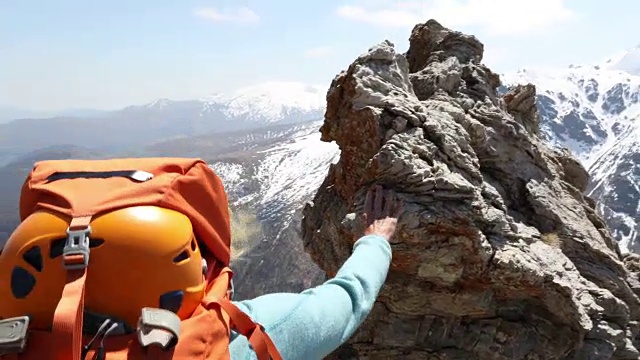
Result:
[498,255]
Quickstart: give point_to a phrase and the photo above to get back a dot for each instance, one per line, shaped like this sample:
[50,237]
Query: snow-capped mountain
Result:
[594,110]
[627,61]
[271,102]
[244,109]
[266,103]
[584,108]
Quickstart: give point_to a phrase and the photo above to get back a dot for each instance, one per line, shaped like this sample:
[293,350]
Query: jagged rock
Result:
[521,104]
[498,254]
[575,173]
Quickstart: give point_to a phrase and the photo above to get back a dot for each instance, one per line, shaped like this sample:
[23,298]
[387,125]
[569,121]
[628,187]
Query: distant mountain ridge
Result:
[9,113]
[135,126]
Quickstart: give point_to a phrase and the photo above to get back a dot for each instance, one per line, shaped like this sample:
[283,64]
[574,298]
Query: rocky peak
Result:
[431,42]
[498,255]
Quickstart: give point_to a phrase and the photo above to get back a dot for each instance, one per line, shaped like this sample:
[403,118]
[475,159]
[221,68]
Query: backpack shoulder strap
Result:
[260,341]
[262,344]
[68,316]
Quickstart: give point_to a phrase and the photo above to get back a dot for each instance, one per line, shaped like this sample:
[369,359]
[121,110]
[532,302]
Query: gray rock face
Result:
[498,254]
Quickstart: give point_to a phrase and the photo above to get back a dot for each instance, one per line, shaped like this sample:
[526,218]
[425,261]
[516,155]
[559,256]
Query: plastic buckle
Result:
[158,327]
[77,244]
[13,335]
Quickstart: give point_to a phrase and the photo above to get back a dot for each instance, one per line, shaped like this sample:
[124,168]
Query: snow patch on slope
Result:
[293,171]
[287,173]
[230,173]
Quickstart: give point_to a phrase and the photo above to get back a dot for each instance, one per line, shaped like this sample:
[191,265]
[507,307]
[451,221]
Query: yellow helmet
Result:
[143,256]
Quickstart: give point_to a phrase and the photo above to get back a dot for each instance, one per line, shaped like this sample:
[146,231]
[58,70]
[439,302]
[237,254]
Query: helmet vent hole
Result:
[184,255]
[57,247]
[94,243]
[33,257]
[194,245]
[22,282]
[171,301]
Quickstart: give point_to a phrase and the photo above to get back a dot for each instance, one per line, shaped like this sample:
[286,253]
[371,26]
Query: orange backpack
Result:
[83,190]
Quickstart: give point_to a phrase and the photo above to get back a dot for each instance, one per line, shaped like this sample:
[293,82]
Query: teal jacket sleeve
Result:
[315,322]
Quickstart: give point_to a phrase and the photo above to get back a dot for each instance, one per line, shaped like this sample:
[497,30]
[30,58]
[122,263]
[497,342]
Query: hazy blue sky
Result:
[109,54]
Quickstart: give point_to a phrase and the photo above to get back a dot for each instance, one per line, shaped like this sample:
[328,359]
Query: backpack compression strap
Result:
[68,317]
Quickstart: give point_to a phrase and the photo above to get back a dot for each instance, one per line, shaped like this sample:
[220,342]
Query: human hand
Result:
[381,211]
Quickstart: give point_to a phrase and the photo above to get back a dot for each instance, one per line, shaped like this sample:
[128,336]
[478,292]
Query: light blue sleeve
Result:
[312,324]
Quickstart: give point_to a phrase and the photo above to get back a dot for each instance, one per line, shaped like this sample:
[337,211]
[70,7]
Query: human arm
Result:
[312,324]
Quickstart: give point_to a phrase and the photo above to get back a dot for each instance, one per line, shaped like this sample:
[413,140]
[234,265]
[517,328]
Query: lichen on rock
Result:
[498,254]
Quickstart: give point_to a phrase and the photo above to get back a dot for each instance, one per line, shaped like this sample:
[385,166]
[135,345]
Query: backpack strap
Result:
[262,344]
[68,316]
